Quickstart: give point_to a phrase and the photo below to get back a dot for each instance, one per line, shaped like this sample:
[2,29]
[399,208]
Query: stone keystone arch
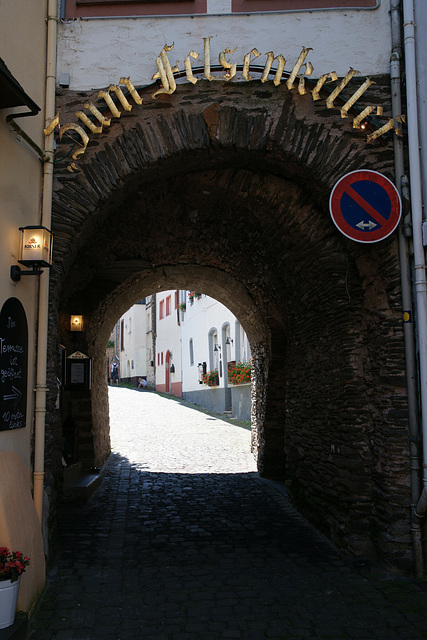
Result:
[224,189]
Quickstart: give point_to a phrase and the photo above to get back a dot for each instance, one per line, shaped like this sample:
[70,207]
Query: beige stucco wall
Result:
[23,50]
[22,47]
[19,525]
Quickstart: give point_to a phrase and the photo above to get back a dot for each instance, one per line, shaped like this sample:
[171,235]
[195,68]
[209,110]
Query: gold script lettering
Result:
[295,72]
[187,67]
[78,129]
[322,80]
[165,72]
[344,82]
[246,62]
[230,69]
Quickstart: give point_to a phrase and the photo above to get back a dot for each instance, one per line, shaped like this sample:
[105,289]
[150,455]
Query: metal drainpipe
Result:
[406,282]
[10,120]
[41,365]
[419,257]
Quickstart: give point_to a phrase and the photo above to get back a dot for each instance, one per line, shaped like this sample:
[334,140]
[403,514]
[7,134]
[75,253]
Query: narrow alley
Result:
[184,541]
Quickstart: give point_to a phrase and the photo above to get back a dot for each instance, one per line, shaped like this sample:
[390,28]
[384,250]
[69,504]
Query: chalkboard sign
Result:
[13,365]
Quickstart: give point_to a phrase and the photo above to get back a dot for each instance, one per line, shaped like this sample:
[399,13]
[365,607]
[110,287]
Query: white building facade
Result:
[197,343]
[212,341]
[133,344]
[168,342]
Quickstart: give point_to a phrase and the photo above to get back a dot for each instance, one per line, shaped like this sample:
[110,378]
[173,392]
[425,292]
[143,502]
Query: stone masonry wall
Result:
[224,189]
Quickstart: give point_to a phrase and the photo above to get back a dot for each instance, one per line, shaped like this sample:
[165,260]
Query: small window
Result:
[191,352]
[161,310]
[168,305]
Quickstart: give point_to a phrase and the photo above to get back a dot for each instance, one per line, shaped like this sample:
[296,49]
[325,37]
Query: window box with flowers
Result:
[182,306]
[240,373]
[194,295]
[12,565]
[211,378]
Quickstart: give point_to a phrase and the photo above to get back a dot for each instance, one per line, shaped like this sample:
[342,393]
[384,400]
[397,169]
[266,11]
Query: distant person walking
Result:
[114,373]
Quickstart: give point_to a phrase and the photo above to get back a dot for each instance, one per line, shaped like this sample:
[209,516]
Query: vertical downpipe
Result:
[419,257]
[42,331]
[406,282]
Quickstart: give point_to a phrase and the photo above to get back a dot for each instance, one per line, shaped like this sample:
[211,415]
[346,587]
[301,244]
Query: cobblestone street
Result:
[184,541]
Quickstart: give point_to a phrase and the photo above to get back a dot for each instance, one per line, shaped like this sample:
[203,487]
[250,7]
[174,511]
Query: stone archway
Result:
[225,190]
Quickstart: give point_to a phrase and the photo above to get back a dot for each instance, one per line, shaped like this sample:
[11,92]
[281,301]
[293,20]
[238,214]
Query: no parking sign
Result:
[365,206]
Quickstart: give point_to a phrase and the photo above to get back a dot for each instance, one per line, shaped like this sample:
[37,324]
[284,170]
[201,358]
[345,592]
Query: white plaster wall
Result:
[134,342]
[168,339]
[97,52]
[205,314]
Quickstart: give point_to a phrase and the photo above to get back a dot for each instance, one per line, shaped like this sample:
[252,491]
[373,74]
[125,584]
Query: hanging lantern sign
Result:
[36,246]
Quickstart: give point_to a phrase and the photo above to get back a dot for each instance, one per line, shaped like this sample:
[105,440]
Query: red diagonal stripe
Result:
[365,205]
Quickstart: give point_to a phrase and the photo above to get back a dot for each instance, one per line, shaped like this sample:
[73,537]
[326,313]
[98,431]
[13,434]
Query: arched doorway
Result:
[168,372]
[234,203]
[226,350]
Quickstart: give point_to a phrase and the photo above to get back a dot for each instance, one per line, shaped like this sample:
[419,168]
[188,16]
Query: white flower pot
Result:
[8,599]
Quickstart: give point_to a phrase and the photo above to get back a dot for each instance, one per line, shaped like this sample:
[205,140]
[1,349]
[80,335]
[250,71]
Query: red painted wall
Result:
[176,389]
[246,6]
[97,8]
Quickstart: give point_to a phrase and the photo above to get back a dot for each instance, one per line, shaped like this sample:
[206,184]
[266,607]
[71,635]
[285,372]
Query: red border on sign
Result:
[335,206]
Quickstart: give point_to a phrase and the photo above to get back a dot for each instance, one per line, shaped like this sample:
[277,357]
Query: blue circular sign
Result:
[365,206]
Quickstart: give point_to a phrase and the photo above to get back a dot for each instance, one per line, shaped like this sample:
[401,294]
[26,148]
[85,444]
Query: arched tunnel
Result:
[196,194]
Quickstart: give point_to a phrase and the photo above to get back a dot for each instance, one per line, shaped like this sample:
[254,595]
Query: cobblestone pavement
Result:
[184,541]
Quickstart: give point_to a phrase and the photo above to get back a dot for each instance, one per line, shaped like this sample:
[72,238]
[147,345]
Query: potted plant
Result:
[12,566]
[194,295]
[182,306]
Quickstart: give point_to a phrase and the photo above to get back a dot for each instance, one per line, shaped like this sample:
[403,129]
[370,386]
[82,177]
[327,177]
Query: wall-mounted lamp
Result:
[229,340]
[217,347]
[76,323]
[35,250]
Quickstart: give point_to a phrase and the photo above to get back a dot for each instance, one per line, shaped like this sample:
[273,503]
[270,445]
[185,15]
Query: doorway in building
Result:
[168,372]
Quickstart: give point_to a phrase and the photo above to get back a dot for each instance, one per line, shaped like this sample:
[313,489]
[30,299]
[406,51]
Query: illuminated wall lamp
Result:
[35,250]
[76,323]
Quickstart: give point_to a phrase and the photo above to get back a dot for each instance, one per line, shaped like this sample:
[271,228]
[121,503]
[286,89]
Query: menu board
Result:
[13,365]
[78,371]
